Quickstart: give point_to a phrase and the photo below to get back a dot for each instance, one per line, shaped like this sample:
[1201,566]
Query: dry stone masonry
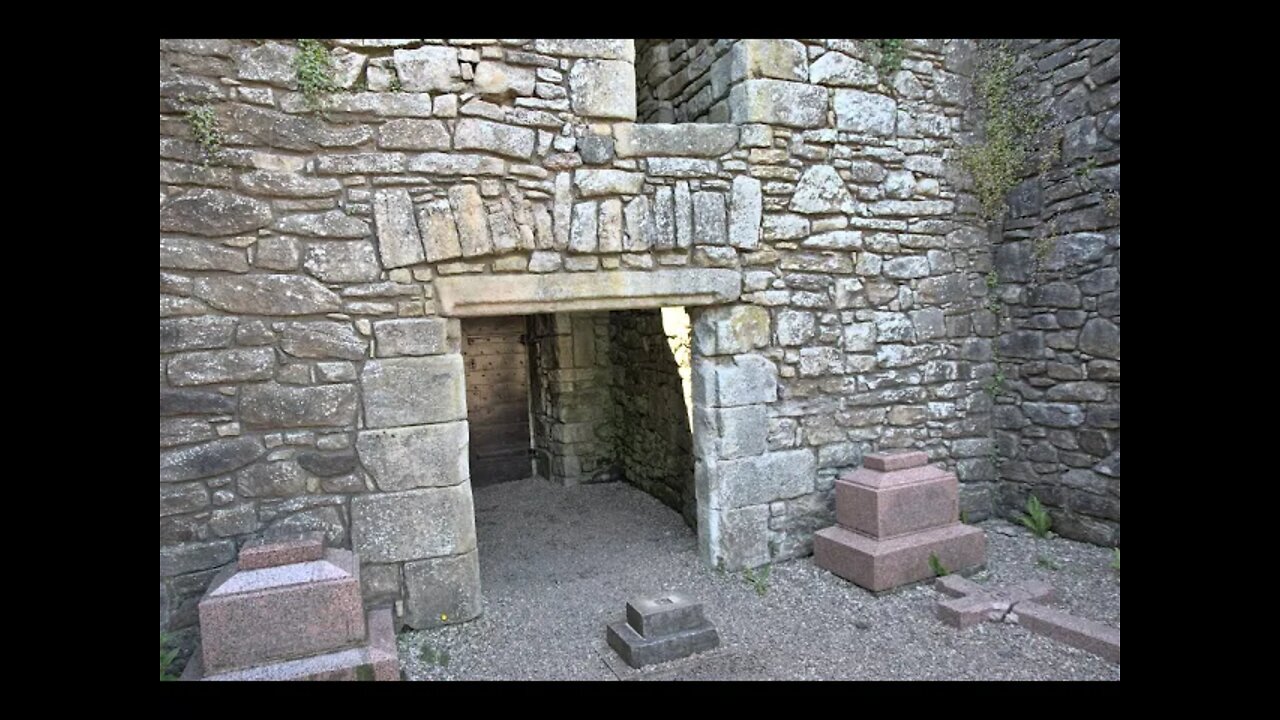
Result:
[315,264]
[1057,417]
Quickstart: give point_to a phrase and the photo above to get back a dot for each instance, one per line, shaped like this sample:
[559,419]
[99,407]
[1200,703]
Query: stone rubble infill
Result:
[970,603]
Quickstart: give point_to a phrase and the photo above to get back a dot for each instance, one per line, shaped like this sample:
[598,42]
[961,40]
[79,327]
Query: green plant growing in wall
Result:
[1009,125]
[1036,518]
[891,55]
[1115,560]
[757,579]
[314,71]
[167,656]
[203,122]
[936,566]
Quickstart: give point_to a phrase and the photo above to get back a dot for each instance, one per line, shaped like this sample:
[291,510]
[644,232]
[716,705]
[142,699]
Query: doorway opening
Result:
[587,397]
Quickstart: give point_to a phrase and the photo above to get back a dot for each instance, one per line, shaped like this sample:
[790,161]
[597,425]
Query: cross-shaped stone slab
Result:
[969,603]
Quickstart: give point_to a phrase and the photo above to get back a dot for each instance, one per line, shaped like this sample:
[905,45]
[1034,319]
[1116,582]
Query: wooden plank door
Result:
[497,365]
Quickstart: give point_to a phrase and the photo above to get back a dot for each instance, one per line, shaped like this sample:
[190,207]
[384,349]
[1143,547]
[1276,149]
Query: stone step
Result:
[890,461]
[639,651]
[879,565]
[251,617]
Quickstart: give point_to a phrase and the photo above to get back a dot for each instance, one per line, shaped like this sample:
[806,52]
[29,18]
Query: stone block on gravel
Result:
[1088,635]
[659,629]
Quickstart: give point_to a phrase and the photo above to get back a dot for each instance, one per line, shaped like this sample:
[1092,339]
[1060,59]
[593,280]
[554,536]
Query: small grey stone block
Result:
[664,615]
[639,651]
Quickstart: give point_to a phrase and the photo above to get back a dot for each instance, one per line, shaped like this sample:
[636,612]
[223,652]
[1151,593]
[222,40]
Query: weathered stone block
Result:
[414,524]
[821,190]
[411,336]
[471,218]
[185,254]
[411,134]
[272,479]
[743,380]
[764,478]
[884,505]
[330,224]
[469,296]
[746,211]
[190,557]
[678,140]
[274,405]
[493,78]
[322,340]
[182,498]
[840,70]
[611,49]
[209,459]
[778,102]
[1101,338]
[266,294]
[594,183]
[509,140]
[194,402]
[420,456]
[732,329]
[442,590]
[866,113]
[1088,635]
[342,261]
[433,68]
[213,213]
[413,391]
[742,539]
[221,366]
[709,219]
[603,89]
[741,431]
[769,58]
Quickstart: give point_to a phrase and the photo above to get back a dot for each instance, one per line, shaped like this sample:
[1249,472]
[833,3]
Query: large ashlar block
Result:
[674,140]
[475,295]
[603,89]
[892,516]
[769,58]
[413,391]
[442,590]
[404,458]
[778,102]
[731,329]
[287,611]
[744,379]
[414,524]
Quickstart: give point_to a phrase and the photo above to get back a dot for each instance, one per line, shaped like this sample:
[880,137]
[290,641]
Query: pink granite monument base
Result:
[292,610]
[892,516]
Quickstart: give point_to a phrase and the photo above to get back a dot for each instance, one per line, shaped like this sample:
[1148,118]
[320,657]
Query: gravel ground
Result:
[557,564]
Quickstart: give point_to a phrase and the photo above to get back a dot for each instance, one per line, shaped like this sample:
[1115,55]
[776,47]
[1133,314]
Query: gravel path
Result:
[557,564]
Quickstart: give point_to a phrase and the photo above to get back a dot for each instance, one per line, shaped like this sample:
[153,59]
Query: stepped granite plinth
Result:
[292,610]
[668,627]
[892,515]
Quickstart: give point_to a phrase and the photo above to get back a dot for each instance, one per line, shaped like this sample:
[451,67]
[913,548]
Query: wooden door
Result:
[497,398]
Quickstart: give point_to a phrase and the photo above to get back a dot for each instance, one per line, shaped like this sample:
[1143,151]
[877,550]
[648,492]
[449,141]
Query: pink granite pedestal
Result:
[892,515]
[292,610]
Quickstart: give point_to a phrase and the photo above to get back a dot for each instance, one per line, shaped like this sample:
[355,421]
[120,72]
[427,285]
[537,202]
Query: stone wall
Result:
[312,272]
[652,437]
[1057,416]
[570,393]
[681,80]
